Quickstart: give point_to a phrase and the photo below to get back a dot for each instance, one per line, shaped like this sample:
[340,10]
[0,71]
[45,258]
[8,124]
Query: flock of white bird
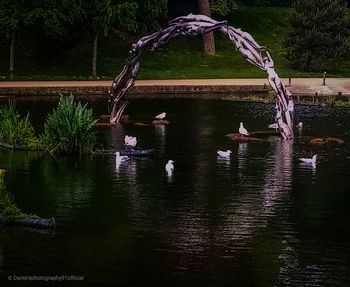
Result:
[131,142]
[244,132]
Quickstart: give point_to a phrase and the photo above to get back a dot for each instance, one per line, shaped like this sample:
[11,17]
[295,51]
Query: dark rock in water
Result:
[238,137]
[160,122]
[264,133]
[30,221]
[128,152]
[104,124]
[141,124]
[104,120]
[13,146]
[326,140]
[137,152]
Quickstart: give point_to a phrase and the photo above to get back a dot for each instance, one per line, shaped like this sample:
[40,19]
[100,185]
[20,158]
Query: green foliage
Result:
[15,129]
[330,101]
[70,128]
[7,206]
[104,15]
[150,13]
[2,176]
[222,7]
[262,3]
[320,36]
[12,15]
[181,58]
[54,18]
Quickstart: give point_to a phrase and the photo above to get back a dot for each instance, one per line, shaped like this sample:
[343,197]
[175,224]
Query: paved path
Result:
[302,86]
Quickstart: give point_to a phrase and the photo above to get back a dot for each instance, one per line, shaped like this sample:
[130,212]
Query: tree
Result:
[104,15]
[208,39]
[54,18]
[220,7]
[12,20]
[320,36]
[150,13]
[50,17]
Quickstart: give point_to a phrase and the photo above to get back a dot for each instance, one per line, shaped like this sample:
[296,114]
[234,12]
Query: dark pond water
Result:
[261,219]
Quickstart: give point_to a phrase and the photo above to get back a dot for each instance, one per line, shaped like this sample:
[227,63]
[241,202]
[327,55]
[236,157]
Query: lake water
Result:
[261,219]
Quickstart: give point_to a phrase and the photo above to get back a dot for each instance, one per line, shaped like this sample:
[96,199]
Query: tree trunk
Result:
[208,39]
[94,55]
[12,53]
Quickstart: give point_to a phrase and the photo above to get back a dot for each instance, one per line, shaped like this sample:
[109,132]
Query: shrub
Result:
[15,129]
[330,101]
[2,175]
[7,206]
[70,128]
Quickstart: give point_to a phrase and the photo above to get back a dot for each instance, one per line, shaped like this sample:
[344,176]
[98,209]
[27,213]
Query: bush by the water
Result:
[2,175]
[15,129]
[70,128]
[7,206]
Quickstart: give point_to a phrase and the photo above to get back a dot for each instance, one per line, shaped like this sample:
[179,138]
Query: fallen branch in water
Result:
[30,221]
[238,137]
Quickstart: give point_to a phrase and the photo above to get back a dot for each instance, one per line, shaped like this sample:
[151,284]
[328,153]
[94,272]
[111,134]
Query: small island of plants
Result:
[11,214]
[69,129]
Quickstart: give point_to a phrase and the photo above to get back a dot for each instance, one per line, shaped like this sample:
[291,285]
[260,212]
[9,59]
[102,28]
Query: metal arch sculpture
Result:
[192,25]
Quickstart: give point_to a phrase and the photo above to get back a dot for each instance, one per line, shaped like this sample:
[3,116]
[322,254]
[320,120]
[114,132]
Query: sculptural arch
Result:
[192,25]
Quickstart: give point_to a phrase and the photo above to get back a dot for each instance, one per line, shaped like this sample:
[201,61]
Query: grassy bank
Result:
[181,58]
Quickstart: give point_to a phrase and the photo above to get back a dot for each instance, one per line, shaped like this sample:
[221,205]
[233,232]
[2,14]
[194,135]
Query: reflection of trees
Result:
[2,260]
[111,136]
[70,182]
[241,156]
[237,221]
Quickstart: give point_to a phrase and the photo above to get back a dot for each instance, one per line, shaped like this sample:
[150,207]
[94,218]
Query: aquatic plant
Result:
[15,129]
[7,206]
[330,101]
[70,128]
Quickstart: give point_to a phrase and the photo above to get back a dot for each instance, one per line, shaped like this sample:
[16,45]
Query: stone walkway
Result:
[298,86]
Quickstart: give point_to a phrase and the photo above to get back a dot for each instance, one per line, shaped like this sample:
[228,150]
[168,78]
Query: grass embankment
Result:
[181,58]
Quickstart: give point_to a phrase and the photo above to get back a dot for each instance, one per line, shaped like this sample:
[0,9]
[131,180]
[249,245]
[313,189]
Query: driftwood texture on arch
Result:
[192,25]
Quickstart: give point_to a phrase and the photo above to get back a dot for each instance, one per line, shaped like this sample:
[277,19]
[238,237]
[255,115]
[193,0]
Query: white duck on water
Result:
[309,160]
[169,167]
[242,130]
[225,154]
[120,158]
[130,141]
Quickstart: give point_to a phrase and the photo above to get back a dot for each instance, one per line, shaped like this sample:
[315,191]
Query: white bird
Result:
[300,125]
[169,167]
[225,154]
[133,142]
[160,116]
[130,141]
[120,158]
[309,160]
[242,130]
[126,139]
[273,126]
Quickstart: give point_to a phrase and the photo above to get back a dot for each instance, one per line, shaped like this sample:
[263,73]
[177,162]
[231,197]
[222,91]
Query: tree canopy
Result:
[320,36]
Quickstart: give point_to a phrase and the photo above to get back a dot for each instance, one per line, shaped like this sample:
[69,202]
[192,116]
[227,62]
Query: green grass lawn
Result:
[182,58]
